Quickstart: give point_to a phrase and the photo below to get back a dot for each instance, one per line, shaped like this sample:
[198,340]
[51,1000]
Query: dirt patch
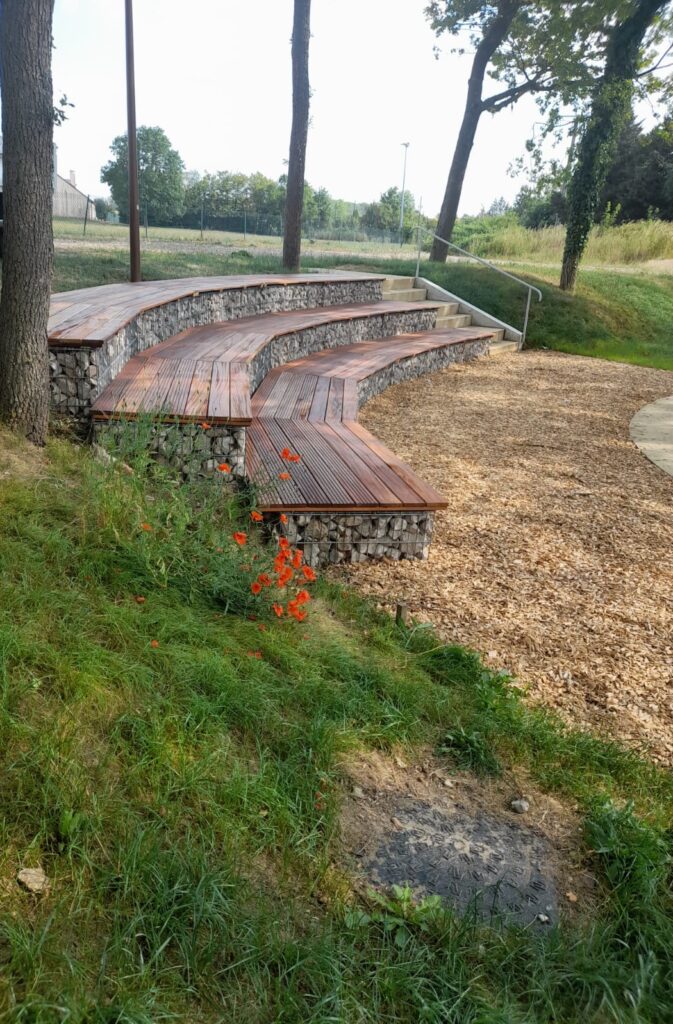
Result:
[554,558]
[19,460]
[456,836]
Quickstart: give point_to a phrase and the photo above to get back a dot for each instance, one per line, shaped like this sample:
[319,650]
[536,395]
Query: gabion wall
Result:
[335,537]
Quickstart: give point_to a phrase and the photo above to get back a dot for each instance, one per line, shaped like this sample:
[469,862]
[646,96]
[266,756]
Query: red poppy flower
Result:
[283,517]
[264,579]
[154,643]
[278,609]
[256,587]
[284,476]
[294,458]
[283,543]
[302,597]
[285,454]
[256,517]
[308,573]
[204,425]
[224,467]
[146,526]
[139,599]
[241,539]
[255,654]
[297,559]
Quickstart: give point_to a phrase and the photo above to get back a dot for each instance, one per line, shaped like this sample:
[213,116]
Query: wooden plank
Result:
[197,400]
[428,494]
[314,478]
[240,409]
[219,405]
[178,393]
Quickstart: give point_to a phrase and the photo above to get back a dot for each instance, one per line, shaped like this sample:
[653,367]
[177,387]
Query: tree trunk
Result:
[27,130]
[610,107]
[493,36]
[301,94]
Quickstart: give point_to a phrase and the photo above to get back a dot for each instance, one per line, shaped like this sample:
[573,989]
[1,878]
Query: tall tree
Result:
[301,97]
[610,110]
[543,48]
[160,176]
[27,130]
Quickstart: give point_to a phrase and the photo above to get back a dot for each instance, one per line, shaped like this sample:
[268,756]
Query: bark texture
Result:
[301,96]
[27,129]
[611,105]
[494,36]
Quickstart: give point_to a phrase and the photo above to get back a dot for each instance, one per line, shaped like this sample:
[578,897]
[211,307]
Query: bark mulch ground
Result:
[554,558]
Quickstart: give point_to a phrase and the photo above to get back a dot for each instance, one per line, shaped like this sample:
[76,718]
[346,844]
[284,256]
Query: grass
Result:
[503,238]
[67,228]
[183,793]
[623,317]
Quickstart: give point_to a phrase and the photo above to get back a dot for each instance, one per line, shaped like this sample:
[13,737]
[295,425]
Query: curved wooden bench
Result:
[310,406]
[93,332]
[208,372]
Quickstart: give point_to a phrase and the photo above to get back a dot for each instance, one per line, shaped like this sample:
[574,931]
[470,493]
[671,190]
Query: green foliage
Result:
[160,176]
[471,750]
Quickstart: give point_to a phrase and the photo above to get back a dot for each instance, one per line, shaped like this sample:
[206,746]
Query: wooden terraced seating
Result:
[310,406]
[207,372]
[223,389]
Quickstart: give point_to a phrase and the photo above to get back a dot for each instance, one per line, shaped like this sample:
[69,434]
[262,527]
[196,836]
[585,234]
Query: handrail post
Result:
[525,319]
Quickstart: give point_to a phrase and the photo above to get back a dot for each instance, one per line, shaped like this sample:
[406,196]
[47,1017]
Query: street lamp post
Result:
[134,203]
[404,182]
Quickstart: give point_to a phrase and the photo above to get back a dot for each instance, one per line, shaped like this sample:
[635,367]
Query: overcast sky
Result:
[215,75]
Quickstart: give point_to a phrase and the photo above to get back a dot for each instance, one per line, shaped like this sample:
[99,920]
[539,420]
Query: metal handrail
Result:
[530,287]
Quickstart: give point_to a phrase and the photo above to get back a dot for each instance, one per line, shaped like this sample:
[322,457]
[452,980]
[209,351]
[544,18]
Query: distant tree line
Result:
[170,195]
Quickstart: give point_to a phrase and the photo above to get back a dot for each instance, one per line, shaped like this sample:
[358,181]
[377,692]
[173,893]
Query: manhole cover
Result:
[482,861]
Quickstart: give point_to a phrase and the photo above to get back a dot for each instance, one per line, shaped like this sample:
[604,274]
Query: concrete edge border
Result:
[479,317]
[651,430]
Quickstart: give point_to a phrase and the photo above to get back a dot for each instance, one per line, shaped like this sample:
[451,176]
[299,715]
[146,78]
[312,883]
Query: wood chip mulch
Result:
[554,558]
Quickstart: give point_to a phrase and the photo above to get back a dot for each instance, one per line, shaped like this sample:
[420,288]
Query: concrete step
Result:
[459,320]
[447,309]
[500,348]
[405,295]
[390,284]
[499,334]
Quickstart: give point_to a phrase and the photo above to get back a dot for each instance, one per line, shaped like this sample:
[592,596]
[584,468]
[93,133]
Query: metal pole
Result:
[86,214]
[202,216]
[404,183]
[525,319]
[134,204]
[418,239]
[245,224]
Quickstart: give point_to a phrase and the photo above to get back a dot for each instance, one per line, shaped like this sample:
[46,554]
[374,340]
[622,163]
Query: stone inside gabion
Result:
[337,537]
[186,448]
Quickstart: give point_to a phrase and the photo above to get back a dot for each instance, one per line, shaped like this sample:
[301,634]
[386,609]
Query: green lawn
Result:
[621,316]
[174,756]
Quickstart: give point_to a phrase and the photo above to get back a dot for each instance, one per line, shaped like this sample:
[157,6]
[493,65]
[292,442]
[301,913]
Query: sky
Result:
[216,76]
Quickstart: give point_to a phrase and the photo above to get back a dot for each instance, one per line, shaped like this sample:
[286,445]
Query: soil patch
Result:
[457,837]
[554,558]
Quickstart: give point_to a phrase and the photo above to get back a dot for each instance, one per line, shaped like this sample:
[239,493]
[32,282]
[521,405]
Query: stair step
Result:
[405,295]
[391,284]
[447,309]
[458,320]
[500,348]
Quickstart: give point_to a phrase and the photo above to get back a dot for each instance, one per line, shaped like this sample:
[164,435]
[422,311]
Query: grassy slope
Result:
[183,798]
[613,315]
